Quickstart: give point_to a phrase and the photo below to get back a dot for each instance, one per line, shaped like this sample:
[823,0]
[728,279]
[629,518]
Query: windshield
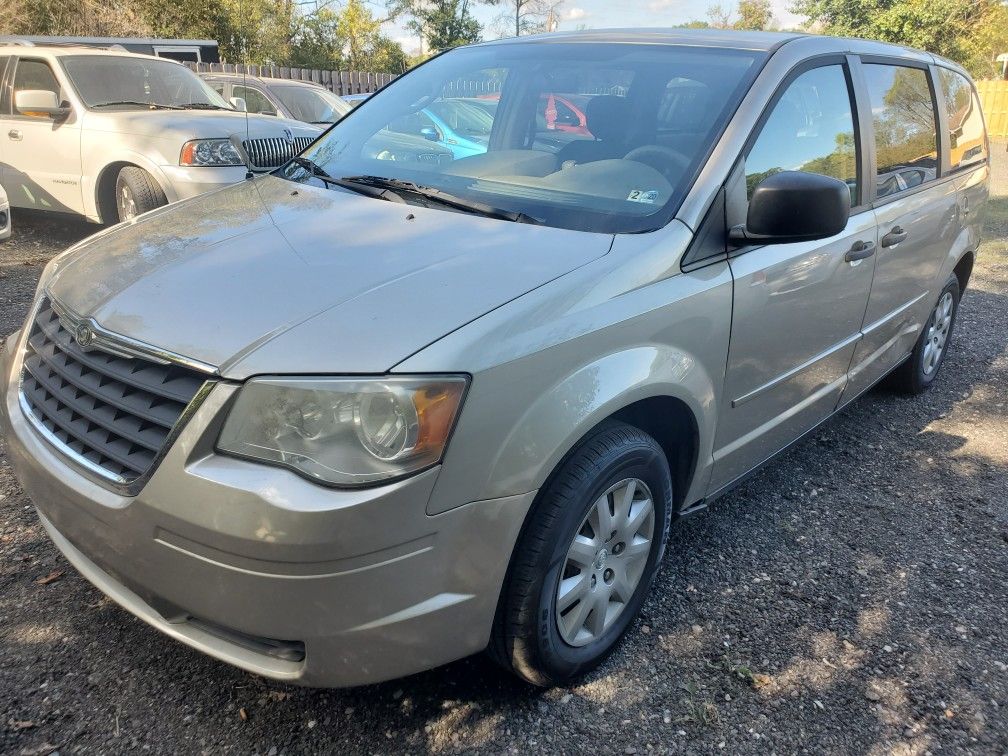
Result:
[311,104]
[597,137]
[116,82]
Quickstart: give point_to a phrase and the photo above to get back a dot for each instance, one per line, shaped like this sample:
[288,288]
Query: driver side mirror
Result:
[238,103]
[793,206]
[430,134]
[39,103]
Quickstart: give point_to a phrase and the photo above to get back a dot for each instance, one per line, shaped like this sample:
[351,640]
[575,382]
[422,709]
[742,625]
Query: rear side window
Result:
[906,139]
[811,129]
[967,137]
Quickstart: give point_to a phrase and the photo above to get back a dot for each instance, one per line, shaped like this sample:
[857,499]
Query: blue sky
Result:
[602,14]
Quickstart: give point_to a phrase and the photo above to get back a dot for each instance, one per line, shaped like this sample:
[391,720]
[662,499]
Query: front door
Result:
[916,213]
[42,155]
[798,307]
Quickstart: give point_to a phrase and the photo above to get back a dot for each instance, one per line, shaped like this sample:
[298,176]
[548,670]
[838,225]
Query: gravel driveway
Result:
[853,597]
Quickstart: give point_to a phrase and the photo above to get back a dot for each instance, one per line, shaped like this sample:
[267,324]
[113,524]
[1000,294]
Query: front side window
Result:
[967,136]
[36,74]
[255,101]
[121,82]
[601,158]
[811,129]
[311,104]
[906,139]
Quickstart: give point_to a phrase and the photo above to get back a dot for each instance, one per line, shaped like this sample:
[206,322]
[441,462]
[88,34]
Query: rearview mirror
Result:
[238,103]
[793,206]
[40,103]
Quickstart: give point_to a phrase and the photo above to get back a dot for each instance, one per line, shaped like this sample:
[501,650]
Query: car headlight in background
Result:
[210,152]
[345,431]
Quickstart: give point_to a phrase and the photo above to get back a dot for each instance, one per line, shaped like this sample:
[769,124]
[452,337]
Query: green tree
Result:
[754,14]
[317,43]
[748,14]
[970,32]
[444,23]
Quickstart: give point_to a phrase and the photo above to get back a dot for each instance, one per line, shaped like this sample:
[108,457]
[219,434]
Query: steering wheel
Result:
[671,164]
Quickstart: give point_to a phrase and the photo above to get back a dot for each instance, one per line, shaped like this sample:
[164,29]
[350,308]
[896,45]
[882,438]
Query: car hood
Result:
[183,125]
[269,276]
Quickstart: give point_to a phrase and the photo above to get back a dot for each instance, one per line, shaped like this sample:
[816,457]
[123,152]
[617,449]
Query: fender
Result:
[90,179]
[567,412]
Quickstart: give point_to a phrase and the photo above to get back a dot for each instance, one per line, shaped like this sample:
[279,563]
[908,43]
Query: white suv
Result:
[109,135]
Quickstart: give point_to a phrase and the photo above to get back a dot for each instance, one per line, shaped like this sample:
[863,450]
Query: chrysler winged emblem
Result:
[84,335]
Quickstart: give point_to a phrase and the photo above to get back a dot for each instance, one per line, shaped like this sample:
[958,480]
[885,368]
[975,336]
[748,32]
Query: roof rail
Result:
[16,41]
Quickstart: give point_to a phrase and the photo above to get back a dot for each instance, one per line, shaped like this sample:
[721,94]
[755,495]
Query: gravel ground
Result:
[853,597]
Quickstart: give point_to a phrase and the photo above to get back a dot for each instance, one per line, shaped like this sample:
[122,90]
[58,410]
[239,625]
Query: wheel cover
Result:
[127,203]
[605,562]
[937,335]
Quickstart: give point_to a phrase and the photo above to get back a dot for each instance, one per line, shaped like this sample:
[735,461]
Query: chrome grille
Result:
[113,414]
[273,152]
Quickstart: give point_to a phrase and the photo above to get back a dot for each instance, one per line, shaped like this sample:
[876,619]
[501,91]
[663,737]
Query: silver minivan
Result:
[362,417]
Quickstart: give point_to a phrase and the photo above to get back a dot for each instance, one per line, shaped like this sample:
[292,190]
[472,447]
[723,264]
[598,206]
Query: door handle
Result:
[15,135]
[894,237]
[860,251]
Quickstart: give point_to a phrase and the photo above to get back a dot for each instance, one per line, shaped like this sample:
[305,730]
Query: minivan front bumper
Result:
[267,571]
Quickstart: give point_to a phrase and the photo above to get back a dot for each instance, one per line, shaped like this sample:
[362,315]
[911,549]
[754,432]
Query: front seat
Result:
[608,119]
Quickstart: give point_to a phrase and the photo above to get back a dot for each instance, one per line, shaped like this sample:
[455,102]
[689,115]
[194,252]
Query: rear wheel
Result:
[586,558]
[137,192]
[919,371]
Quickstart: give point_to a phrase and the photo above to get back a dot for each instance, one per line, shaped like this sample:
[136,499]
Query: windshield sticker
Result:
[640,195]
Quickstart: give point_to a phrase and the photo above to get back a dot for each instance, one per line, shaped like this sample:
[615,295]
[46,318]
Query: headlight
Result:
[210,152]
[345,431]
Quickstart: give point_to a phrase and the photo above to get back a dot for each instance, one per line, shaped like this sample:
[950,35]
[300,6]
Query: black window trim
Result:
[732,204]
[942,173]
[810,64]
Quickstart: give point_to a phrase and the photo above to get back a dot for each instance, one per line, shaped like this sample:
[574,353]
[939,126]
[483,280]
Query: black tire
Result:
[913,376]
[526,637]
[136,192]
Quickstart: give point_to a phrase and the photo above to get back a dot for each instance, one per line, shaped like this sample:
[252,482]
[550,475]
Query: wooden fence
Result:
[339,82]
[994,101]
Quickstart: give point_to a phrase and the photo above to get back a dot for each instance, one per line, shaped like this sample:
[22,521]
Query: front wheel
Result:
[137,192]
[919,371]
[586,559]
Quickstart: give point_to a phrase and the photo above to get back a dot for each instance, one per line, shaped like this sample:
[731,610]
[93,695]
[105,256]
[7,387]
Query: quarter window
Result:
[906,143]
[811,129]
[967,138]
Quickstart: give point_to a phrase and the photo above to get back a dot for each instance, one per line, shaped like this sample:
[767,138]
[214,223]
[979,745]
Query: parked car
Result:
[313,104]
[356,99]
[361,417]
[458,124]
[5,216]
[297,100]
[109,135]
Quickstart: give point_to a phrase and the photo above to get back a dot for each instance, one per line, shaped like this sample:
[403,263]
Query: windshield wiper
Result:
[366,189]
[444,199]
[151,105]
[202,106]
